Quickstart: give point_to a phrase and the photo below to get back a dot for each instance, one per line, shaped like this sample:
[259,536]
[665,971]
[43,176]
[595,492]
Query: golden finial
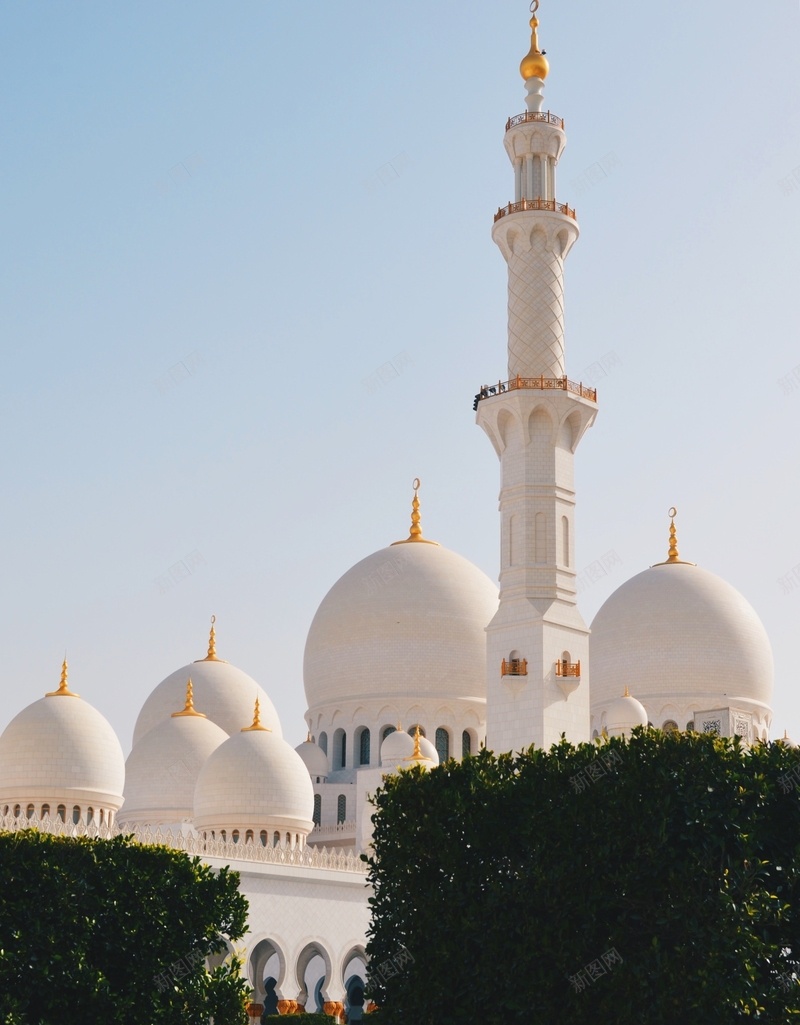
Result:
[257,724]
[188,708]
[535,64]
[212,645]
[673,555]
[63,690]
[415,534]
[627,693]
[308,738]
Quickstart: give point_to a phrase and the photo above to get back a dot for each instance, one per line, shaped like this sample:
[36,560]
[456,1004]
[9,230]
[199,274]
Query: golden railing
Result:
[535,115]
[514,667]
[535,204]
[564,668]
[536,384]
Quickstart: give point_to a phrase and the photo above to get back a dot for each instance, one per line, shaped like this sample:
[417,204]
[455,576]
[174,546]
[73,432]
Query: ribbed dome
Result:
[677,633]
[162,769]
[60,748]
[222,692]
[254,780]
[314,758]
[407,621]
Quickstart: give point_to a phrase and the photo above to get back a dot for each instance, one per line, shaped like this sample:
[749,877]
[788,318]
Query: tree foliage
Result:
[96,930]
[654,880]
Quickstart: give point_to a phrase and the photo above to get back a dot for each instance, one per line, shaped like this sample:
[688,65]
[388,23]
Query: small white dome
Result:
[786,740]
[314,759]
[162,769]
[623,715]
[397,750]
[408,621]
[224,694]
[61,750]
[679,635]
[254,780]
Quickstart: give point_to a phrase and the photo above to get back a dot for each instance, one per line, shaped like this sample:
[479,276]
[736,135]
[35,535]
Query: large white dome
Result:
[162,769]
[254,780]
[61,750]
[408,621]
[681,635]
[222,692]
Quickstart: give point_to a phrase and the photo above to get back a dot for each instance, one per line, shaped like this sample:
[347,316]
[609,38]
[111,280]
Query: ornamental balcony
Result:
[514,667]
[537,384]
[535,115]
[564,668]
[535,204]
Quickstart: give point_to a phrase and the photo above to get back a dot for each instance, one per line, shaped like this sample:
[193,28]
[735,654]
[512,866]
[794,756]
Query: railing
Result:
[536,384]
[332,829]
[535,115]
[564,668]
[514,667]
[335,859]
[535,204]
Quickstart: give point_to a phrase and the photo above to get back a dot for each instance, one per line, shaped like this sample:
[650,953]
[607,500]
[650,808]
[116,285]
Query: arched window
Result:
[17,810]
[29,811]
[317,809]
[276,838]
[442,744]
[263,837]
[341,808]
[466,744]
[343,752]
[46,810]
[323,742]
[690,725]
[386,731]
[224,834]
[288,839]
[62,813]
[102,816]
[76,815]
[89,816]
[670,726]
[363,747]
[235,836]
[248,836]
[339,749]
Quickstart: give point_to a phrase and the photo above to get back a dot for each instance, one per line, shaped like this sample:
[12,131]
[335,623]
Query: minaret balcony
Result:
[514,667]
[536,204]
[564,668]
[535,115]
[537,384]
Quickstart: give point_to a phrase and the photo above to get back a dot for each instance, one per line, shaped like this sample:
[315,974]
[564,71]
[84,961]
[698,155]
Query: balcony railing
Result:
[535,204]
[514,667]
[564,668]
[536,384]
[535,115]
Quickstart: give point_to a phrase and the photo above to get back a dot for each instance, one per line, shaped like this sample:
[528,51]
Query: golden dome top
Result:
[63,688]
[534,64]
[416,530]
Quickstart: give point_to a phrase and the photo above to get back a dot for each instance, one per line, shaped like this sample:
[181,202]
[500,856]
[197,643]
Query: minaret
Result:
[537,643]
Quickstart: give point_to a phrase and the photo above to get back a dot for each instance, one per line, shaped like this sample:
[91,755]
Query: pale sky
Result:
[249,291]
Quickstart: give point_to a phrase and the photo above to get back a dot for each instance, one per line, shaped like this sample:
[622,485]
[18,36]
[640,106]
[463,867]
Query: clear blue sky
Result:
[248,292]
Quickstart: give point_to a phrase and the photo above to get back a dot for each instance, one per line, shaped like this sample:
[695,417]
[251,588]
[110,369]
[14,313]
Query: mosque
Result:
[412,658]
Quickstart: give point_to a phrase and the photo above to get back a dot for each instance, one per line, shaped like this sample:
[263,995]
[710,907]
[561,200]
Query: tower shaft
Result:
[537,643]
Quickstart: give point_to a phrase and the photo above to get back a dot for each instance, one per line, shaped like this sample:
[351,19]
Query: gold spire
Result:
[212,645]
[673,555]
[257,724]
[63,690]
[535,64]
[188,708]
[417,755]
[627,693]
[415,534]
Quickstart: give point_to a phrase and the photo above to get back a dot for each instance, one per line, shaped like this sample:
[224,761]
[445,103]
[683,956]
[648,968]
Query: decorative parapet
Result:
[336,859]
[514,667]
[535,115]
[536,204]
[537,384]
[333,829]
